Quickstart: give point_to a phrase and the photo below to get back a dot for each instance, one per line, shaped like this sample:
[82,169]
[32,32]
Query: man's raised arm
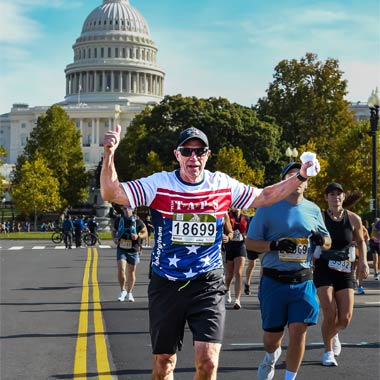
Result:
[278,191]
[110,186]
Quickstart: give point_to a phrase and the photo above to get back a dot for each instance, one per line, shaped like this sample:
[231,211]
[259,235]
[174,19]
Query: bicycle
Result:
[91,239]
[57,237]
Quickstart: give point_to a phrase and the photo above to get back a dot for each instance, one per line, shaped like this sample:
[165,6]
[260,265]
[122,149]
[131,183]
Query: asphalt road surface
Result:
[60,320]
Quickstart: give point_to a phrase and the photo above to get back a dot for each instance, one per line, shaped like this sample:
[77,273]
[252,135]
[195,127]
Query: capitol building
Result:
[114,76]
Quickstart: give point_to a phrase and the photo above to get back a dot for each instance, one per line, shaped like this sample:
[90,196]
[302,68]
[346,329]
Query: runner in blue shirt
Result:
[287,233]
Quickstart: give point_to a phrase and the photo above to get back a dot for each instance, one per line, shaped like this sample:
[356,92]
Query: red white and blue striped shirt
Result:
[188,219]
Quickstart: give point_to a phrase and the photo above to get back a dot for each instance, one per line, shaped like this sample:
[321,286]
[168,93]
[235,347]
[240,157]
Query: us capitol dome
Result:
[114,75]
[115,58]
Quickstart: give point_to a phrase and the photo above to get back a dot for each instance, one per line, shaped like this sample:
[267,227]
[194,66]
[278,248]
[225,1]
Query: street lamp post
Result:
[291,153]
[373,105]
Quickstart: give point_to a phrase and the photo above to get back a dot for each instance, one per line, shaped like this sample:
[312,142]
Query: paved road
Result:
[59,320]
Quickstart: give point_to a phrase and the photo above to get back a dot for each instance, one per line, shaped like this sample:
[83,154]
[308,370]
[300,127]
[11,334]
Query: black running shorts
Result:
[324,276]
[199,302]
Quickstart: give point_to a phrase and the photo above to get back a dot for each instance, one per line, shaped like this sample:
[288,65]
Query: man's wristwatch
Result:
[300,177]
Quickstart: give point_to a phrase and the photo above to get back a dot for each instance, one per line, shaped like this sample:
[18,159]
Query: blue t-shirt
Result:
[285,220]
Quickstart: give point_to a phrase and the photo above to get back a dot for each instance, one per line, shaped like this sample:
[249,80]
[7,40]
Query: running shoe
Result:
[247,291]
[336,346]
[376,276]
[122,295]
[228,297]
[266,368]
[360,291]
[329,359]
[237,305]
[130,297]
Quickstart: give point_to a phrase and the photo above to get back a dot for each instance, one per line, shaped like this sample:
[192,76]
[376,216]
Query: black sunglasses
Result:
[187,152]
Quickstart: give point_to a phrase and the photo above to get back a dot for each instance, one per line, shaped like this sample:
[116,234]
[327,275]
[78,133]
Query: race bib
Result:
[237,236]
[194,229]
[300,253]
[340,266]
[125,244]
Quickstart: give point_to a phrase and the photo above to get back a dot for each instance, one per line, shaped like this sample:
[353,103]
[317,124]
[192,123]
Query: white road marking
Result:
[38,247]
[16,248]
[320,344]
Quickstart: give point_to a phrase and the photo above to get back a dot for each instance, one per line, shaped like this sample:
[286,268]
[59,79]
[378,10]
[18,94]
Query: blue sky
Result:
[207,47]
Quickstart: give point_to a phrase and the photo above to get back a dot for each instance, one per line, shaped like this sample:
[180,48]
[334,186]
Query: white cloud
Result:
[16,26]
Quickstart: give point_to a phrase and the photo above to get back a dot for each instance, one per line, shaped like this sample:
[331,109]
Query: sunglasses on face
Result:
[187,152]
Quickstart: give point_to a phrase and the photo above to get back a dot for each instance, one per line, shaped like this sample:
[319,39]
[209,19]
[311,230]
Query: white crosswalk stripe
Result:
[19,247]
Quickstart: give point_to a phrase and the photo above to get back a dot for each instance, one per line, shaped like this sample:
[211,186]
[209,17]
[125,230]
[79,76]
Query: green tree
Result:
[306,98]
[38,189]
[3,153]
[232,162]
[57,141]
[226,124]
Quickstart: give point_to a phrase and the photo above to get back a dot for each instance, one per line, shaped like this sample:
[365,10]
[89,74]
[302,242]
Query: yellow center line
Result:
[80,362]
[102,362]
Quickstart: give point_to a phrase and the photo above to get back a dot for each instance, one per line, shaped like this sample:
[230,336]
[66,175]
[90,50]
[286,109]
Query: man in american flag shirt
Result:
[187,207]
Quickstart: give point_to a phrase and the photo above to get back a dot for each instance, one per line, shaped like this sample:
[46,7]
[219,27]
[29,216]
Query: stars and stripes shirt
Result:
[188,219]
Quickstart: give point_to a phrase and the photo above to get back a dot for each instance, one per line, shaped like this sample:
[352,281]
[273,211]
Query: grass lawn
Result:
[43,236]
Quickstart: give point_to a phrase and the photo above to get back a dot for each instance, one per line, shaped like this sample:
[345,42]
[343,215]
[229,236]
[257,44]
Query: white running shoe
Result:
[266,368]
[228,297]
[122,295]
[130,298]
[329,359]
[237,305]
[336,346]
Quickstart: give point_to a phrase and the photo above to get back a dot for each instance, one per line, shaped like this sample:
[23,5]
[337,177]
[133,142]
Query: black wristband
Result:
[300,177]
[273,246]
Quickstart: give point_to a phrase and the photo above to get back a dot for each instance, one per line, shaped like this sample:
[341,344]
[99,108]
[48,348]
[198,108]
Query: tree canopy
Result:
[306,99]
[56,140]
[227,125]
[37,190]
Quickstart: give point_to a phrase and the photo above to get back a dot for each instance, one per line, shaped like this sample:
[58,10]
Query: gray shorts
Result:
[130,256]
[200,303]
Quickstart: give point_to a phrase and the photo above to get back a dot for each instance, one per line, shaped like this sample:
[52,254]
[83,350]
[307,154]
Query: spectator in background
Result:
[79,227]
[68,229]
[374,245]
[150,228]
[92,225]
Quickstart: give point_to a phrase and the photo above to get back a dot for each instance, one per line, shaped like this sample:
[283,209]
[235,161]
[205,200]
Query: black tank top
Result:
[340,232]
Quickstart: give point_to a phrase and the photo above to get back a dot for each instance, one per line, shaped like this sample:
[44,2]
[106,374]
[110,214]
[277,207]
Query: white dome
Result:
[115,59]
[116,15]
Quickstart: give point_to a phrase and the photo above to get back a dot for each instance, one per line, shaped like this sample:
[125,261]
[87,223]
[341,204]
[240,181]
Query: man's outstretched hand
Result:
[112,139]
